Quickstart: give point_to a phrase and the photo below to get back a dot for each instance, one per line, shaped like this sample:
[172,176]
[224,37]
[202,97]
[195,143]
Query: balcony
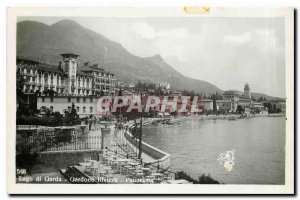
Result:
[32,75]
[30,83]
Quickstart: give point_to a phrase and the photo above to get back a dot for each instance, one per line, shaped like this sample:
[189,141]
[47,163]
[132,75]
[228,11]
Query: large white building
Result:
[65,78]
[58,86]
[232,99]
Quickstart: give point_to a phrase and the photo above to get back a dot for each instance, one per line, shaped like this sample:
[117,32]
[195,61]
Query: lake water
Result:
[195,144]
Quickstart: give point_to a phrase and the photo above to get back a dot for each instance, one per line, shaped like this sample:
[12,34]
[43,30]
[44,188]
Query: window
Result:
[51,108]
[84,100]
[43,99]
[78,99]
[51,99]
[91,100]
[83,109]
[77,108]
[69,99]
[91,109]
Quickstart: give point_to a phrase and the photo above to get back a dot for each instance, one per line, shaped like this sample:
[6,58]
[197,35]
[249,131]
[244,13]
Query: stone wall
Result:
[162,159]
[146,148]
[54,161]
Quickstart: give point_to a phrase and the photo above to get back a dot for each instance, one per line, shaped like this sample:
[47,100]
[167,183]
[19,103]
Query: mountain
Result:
[267,97]
[257,95]
[43,42]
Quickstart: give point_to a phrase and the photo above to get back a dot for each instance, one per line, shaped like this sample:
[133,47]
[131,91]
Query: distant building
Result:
[175,93]
[257,106]
[236,99]
[205,104]
[225,105]
[131,85]
[120,84]
[163,85]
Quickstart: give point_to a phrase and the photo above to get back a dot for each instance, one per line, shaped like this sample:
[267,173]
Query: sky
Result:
[227,52]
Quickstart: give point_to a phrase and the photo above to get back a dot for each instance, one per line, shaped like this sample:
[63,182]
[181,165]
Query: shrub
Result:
[204,179]
[26,159]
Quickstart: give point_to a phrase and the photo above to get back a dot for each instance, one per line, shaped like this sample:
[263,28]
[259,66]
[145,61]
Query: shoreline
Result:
[178,119]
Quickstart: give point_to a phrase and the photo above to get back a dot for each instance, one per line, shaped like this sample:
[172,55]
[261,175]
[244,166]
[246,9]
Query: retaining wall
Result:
[53,161]
[162,159]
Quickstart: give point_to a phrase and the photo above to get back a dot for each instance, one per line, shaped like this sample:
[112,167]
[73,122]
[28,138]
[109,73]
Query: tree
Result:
[120,92]
[269,106]
[56,119]
[71,118]
[260,99]
[240,109]
[204,179]
[135,131]
[26,158]
[214,104]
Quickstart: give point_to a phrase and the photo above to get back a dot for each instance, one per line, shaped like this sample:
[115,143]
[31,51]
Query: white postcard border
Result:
[13,188]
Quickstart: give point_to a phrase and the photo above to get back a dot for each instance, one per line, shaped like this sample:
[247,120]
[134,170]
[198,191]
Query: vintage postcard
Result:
[183,100]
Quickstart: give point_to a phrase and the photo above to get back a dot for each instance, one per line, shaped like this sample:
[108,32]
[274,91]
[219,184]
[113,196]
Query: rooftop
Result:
[70,55]
[55,67]
[223,101]
[231,92]
[205,100]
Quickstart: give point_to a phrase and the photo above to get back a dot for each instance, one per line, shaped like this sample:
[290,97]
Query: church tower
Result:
[247,93]
[69,67]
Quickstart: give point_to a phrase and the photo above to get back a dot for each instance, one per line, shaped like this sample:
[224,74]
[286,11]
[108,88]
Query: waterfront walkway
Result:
[114,169]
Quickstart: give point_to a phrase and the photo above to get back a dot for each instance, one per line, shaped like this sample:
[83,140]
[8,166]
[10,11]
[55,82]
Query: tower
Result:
[247,93]
[70,67]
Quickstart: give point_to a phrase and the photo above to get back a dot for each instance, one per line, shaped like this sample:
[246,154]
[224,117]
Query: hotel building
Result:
[57,86]
[232,99]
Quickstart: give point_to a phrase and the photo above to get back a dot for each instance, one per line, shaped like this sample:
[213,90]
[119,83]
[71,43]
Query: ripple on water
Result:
[194,146]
